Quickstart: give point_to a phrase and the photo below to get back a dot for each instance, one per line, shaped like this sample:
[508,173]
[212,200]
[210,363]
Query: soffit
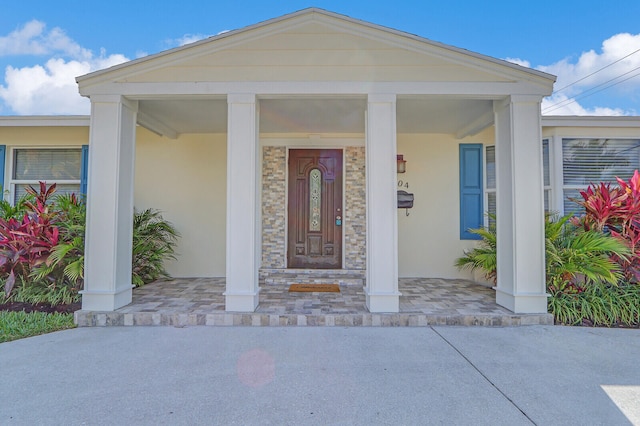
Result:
[317,115]
[188,115]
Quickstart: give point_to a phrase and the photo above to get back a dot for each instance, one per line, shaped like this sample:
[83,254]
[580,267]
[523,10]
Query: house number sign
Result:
[402,193]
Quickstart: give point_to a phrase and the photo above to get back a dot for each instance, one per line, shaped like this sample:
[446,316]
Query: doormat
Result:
[309,288]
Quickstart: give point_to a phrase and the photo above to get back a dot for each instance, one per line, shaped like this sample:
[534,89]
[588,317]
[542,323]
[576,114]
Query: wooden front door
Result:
[315,209]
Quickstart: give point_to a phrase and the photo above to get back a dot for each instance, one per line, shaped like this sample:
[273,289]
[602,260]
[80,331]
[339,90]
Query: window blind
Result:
[587,161]
[46,164]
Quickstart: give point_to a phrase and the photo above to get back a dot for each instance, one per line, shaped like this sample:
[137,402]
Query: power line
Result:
[586,94]
[595,72]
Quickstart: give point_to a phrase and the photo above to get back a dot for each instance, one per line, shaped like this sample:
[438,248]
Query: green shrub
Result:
[484,256]
[154,241]
[26,243]
[573,256]
[615,210]
[54,273]
[65,263]
[46,292]
[598,305]
[583,276]
[576,258]
[17,211]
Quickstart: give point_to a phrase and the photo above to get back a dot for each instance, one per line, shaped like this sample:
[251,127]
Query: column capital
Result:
[381,97]
[516,99]
[526,99]
[241,98]
[114,99]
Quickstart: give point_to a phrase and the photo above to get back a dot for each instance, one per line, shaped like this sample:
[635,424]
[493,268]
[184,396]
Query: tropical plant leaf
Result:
[9,283]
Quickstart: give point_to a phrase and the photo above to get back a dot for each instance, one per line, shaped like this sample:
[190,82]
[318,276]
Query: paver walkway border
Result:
[200,302]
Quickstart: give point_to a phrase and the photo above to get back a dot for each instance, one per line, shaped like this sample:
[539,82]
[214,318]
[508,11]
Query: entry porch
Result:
[206,134]
[200,301]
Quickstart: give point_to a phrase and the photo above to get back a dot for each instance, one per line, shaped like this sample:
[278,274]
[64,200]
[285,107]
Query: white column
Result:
[109,228]
[520,205]
[242,216]
[382,218]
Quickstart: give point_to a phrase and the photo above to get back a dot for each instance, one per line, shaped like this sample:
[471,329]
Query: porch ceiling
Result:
[318,115]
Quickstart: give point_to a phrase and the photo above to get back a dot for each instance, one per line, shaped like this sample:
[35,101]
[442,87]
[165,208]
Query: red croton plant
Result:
[616,209]
[27,243]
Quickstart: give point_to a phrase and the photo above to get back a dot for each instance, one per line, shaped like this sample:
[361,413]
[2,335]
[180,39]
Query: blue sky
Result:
[45,44]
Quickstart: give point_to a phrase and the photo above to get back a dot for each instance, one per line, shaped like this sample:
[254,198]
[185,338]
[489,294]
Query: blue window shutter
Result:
[84,169]
[471,190]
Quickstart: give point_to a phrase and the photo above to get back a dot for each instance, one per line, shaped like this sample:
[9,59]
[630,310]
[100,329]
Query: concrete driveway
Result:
[542,375]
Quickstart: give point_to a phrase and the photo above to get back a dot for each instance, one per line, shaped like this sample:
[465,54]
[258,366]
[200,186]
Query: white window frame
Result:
[10,163]
[549,188]
[557,176]
[487,190]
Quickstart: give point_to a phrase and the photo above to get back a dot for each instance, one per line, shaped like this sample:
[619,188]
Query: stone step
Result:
[287,280]
[102,319]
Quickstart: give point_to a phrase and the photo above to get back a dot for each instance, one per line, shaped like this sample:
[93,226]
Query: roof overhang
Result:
[590,121]
[44,121]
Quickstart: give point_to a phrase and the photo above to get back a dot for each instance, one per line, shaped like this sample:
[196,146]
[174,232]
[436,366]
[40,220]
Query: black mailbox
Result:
[405,200]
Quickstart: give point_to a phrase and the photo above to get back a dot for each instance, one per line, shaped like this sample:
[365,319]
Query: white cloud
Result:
[561,104]
[48,88]
[568,72]
[32,39]
[51,88]
[185,39]
[519,61]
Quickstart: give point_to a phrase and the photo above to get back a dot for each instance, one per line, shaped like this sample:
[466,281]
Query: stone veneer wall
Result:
[355,229]
[274,168]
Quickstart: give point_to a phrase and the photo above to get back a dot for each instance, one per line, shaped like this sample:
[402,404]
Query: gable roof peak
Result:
[313,13]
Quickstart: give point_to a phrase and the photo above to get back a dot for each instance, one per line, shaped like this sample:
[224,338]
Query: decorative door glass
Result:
[315,199]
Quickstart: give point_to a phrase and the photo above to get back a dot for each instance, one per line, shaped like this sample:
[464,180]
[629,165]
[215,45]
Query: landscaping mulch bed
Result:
[39,307]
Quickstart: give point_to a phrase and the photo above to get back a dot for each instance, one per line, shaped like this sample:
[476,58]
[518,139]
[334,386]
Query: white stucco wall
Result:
[44,136]
[429,238]
[186,179]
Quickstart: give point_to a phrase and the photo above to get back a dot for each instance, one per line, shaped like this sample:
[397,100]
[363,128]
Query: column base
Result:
[241,302]
[527,303]
[106,300]
[382,302]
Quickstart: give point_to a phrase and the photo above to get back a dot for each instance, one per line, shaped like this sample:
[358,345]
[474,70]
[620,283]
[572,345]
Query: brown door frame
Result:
[342,202]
